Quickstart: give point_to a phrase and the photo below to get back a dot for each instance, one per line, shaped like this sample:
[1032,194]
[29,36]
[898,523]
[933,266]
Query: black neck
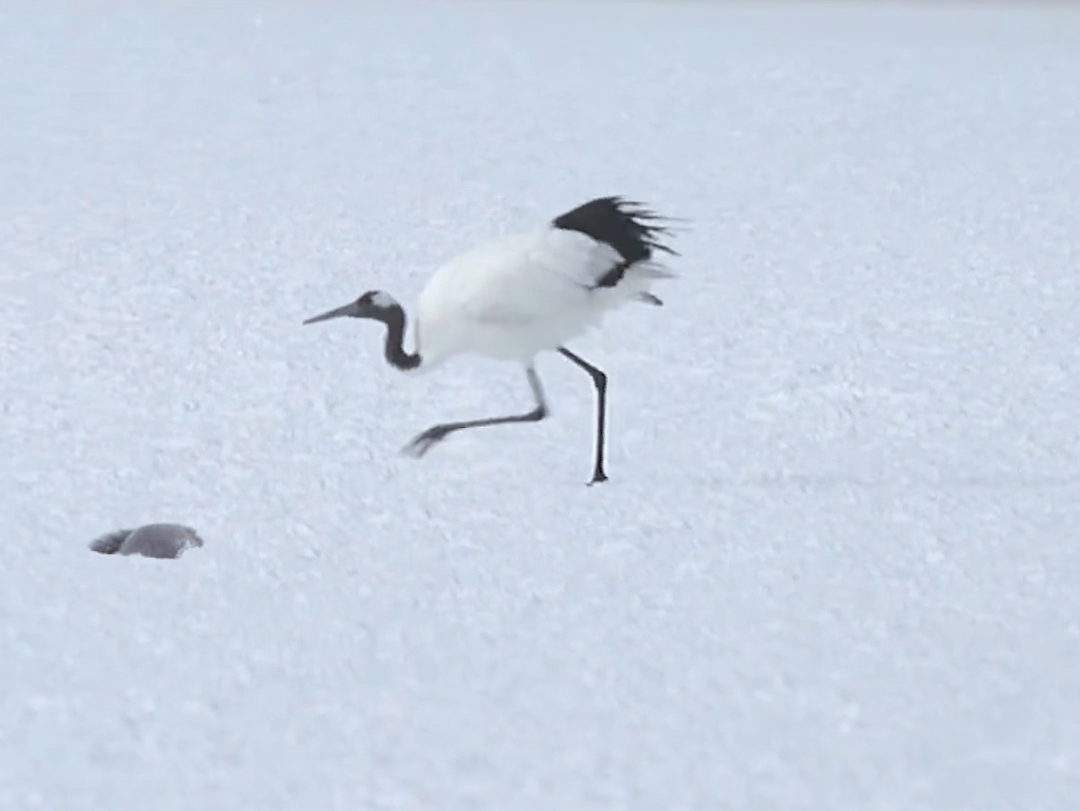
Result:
[396,356]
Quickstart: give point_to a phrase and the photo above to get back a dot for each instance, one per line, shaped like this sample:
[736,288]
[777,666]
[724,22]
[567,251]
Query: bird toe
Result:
[416,448]
[422,443]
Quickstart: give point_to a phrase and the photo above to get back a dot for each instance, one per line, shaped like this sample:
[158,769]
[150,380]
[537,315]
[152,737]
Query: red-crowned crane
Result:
[514,297]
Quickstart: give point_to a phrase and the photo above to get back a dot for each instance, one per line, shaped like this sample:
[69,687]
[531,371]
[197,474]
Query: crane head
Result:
[373,304]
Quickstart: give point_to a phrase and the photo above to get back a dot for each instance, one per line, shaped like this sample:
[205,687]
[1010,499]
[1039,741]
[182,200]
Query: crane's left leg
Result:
[423,442]
[599,380]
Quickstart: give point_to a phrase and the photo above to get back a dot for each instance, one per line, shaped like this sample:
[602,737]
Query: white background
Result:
[836,566]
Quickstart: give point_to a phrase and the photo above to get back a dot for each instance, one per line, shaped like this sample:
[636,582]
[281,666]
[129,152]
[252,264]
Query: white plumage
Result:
[520,295]
[514,297]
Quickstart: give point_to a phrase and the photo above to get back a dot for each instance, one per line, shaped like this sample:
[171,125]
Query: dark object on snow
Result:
[152,541]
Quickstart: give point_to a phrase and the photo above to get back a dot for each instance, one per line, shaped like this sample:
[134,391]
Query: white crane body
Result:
[517,296]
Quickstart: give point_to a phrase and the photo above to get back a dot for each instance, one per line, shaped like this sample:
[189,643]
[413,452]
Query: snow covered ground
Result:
[836,566]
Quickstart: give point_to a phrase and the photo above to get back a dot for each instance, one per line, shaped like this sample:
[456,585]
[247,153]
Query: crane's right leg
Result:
[422,443]
[600,381]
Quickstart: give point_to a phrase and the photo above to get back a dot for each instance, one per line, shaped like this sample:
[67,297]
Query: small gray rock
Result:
[152,541]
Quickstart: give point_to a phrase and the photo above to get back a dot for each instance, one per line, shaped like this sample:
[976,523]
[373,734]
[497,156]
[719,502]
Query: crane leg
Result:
[600,381]
[423,442]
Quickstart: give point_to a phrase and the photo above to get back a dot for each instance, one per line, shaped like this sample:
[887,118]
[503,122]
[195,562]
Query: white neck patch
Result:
[383,300]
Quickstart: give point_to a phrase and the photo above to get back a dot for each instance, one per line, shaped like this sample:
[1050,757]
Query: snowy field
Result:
[836,566]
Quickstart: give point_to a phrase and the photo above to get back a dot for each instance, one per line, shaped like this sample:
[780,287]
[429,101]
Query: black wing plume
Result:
[633,230]
[627,226]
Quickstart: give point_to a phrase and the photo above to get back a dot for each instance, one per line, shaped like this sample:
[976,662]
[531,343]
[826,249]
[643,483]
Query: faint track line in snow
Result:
[811,481]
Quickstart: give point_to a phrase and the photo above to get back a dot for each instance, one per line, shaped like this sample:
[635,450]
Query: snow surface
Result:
[836,566]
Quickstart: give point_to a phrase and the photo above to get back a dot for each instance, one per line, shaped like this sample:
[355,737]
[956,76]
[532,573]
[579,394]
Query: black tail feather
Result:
[629,227]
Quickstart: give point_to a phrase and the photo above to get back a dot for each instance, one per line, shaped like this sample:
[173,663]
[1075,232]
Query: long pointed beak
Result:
[347,310]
